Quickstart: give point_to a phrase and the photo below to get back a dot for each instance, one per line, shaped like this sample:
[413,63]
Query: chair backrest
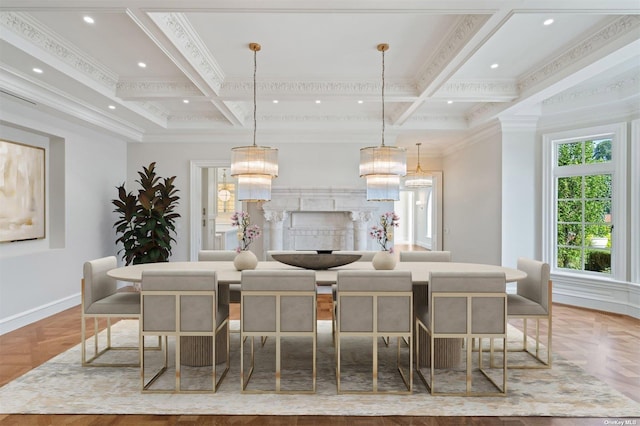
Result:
[97,284]
[535,285]
[296,290]
[197,293]
[216,255]
[270,253]
[425,256]
[365,255]
[451,313]
[356,312]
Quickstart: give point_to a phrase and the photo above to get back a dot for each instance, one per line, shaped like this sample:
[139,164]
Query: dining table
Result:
[446,350]
[227,273]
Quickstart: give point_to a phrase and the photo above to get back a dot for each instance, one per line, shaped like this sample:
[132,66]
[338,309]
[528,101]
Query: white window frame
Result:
[635,202]
[617,168]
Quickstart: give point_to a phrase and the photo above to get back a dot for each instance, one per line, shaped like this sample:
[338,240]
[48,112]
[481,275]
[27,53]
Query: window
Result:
[585,203]
[583,206]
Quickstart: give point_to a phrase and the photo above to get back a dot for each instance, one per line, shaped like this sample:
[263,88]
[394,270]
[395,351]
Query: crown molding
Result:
[477,135]
[60,103]
[455,41]
[624,26]
[31,30]
[242,89]
[178,29]
[479,90]
[623,86]
[137,89]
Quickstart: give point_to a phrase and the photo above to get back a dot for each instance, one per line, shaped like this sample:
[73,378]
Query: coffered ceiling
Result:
[319,62]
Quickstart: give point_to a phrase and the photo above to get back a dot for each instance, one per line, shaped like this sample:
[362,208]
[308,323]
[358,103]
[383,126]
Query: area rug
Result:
[62,386]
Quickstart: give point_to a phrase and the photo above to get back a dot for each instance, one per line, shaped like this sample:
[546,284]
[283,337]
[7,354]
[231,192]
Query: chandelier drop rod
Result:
[255,47]
[383,48]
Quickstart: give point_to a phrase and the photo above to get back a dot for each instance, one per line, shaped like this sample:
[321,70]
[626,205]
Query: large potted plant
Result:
[146,221]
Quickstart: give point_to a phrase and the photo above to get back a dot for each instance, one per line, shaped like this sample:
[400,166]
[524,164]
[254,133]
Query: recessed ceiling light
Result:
[88,20]
[37,70]
[142,65]
[185,101]
[494,66]
[449,102]
[318,101]
[360,102]
[275,101]
[112,107]
[548,21]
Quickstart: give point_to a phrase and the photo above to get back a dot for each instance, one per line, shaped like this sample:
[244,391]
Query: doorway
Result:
[421,210]
[213,202]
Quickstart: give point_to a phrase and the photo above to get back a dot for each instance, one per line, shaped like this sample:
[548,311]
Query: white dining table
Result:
[227,274]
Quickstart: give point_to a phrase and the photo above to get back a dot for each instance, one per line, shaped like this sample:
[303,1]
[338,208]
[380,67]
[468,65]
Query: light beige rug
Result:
[62,386]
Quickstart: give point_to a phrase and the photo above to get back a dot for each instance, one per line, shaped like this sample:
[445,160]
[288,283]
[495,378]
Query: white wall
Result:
[520,189]
[472,197]
[39,278]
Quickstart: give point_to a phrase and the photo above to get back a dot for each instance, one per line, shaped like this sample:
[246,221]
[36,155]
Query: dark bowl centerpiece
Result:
[316,261]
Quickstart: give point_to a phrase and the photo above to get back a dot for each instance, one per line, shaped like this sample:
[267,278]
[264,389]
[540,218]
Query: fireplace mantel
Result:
[321,219]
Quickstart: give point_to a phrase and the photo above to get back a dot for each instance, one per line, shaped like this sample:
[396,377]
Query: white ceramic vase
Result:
[245,260]
[384,260]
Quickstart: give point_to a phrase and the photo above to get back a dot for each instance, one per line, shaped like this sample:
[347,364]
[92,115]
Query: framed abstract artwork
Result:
[22,192]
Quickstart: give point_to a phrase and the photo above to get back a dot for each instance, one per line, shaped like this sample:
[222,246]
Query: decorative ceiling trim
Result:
[195,118]
[36,33]
[624,85]
[177,27]
[457,39]
[440,122]
[61,103]
[242,88]
[618,28]
[488,91]
[155,110]
[149,89]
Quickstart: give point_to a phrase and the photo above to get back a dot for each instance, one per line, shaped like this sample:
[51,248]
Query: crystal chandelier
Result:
[383,165]
[419,178]
[224,194]
[254,166]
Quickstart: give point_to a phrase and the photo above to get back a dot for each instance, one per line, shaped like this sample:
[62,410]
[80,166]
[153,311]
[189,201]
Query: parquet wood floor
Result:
[605,345]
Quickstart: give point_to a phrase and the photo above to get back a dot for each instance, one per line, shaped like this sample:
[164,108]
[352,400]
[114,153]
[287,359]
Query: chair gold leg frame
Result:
[223,326]
[278,334]
[540,362]
[407,376]
[468,337]
[97,352]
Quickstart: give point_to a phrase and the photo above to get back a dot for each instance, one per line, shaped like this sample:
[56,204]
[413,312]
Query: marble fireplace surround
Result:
[318,219]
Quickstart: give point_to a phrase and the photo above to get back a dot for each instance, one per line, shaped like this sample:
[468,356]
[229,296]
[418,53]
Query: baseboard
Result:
[608,296]
[36,314]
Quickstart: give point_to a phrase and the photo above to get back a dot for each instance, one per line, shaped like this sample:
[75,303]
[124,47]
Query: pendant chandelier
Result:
[254,166]
[383,165]
[419,178]
[224,194]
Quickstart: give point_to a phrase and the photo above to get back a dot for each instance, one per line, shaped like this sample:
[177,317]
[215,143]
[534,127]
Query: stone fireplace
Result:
[318,219]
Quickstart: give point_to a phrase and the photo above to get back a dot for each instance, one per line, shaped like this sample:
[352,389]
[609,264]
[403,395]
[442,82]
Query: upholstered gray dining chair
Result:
[464,306]
[425,256]
[187,306]
[279,304]
[100,299]
[375,304]
[533,301]
[420,296]
[222,256]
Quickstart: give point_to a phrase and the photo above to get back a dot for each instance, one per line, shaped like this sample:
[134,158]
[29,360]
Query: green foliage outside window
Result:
[584,209]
